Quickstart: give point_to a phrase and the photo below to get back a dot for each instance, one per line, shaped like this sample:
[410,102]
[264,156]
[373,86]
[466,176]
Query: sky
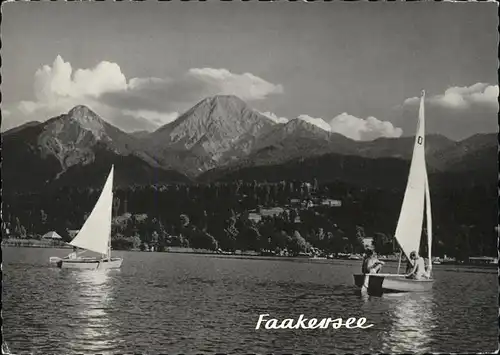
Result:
[352,68]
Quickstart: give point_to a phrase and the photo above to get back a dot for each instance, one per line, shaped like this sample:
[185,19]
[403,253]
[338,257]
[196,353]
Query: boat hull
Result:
[378,284]
[89,264]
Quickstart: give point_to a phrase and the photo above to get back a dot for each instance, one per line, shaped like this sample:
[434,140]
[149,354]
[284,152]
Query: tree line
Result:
[213,216]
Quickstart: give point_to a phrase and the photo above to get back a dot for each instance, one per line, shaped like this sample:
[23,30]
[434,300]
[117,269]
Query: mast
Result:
[109,249]
[428,213]
[399,263]
[428,210]
[111,212]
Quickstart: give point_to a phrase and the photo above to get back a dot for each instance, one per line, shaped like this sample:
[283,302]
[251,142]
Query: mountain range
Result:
[222,138]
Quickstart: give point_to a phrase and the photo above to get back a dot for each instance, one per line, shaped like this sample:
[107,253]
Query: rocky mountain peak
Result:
[71,137]
[214,126]
[87,120]
[81,110]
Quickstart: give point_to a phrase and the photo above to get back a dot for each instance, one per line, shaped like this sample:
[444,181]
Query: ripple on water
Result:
[187,303]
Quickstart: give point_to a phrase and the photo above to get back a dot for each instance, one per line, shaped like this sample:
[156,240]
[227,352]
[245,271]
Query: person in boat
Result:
[409,265]
[418,269]
[73,254]
[371,264]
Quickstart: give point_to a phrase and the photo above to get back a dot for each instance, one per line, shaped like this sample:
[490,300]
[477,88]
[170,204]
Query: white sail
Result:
[95,235]
[409,228]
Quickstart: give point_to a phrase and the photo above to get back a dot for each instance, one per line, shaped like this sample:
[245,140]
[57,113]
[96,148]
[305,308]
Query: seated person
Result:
[73,255]
[409,266]
[371,264]
[418,270]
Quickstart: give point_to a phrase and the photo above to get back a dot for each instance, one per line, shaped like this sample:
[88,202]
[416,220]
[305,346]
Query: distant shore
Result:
[35,243]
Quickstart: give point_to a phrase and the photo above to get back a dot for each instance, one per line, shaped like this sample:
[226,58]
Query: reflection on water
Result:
[412,322]
[92,295]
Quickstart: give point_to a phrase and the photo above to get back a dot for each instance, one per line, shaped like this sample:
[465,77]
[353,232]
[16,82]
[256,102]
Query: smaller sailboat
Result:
[94,236]
[410,224]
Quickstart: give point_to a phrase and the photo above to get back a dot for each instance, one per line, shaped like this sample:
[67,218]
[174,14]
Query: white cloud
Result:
[52,82]
[104,88]
[179,94]
[348,125]
[159,118]
[58,88]
[59,80]
[319,122]
[105,77]
[489,96]
[274,118]
[458,112]
[28,107]
[462,98]
[410,101]
[246,86]
[478,93]
[363,129]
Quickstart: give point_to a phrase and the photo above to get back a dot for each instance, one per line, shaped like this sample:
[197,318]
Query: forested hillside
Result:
[217,216]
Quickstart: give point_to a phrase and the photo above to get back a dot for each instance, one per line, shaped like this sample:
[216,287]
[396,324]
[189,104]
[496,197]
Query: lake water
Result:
[162,302]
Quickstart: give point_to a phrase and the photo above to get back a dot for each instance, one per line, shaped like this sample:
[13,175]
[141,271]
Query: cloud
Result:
[246,86]
[159,118]
[350,126]
[355,128]
[363,129]
[457,111]
[179,94]
[462,98]
[465,97]
[59,80]
[58,88]
[134,103]
[274,118]
[319,122]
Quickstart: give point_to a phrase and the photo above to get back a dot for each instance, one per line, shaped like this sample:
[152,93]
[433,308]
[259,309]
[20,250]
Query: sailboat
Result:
[94,236]
[410,223]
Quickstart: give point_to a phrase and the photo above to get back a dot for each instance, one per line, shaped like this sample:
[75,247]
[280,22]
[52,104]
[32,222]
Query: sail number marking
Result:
[420,140]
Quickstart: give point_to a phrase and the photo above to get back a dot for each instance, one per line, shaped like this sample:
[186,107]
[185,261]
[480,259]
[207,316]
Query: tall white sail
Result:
[95,234]
[409,228]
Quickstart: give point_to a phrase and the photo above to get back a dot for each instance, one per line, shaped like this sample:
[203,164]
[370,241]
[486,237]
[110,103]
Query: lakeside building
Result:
[483,260]
[52,235]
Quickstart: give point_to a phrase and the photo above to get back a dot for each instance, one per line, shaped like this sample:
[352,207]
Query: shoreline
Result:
[33,243]
[237,255]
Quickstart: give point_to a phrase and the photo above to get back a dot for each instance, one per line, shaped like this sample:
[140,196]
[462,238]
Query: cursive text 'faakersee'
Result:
[311,323]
